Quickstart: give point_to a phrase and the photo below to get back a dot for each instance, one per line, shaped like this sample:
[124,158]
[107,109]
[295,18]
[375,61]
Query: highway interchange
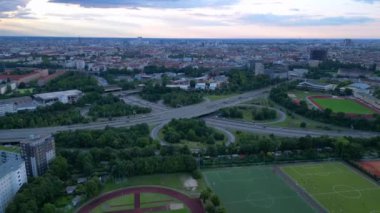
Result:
[161,116]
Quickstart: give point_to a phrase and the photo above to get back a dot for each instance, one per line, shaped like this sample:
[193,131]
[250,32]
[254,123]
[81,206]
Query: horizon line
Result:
[185,38]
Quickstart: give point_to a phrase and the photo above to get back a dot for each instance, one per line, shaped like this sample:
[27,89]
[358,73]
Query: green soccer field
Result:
[337,187]
[253,189]
[343,105]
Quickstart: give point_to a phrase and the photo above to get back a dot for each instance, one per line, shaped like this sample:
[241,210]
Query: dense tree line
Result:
[111,106]
[119,153]
[171,97]
[244,80]
[135,136]
[56,114]
[37,196]
[258,149]
[258,114]
[211,202]
[191,130]
[327,68]
[72,80]
[280,96]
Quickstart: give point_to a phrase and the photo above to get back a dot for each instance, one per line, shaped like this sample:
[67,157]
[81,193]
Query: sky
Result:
[191,18]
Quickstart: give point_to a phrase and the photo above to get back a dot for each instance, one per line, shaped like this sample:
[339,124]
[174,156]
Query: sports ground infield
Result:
[143,199]
[337,187]
[254,189]
[348,106]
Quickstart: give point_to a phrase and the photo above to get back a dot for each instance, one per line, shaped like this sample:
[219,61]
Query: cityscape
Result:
[280,116]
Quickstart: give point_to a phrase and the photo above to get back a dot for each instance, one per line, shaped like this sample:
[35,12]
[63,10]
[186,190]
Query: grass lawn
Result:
[254,189]
[10,148]
[337,187]
[25,91]
[219,97]
[302,95]
[174,181]
[343,105]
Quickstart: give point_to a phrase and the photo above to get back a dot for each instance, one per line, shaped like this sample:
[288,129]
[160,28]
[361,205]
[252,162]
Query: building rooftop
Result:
[9,161]
[362,86]
[19,100]
[36,139]
[52,95]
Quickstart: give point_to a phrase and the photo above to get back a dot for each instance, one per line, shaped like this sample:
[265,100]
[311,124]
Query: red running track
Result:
[194,205]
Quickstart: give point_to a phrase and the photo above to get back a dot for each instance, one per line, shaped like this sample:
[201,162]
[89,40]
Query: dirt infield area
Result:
[194,205]
[372,167]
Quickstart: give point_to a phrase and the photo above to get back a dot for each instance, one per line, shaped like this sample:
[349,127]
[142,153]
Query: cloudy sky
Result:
[192,18]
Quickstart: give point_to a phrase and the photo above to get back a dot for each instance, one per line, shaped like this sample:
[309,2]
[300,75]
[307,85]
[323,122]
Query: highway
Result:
[155,118]
[158,118]
[285,132]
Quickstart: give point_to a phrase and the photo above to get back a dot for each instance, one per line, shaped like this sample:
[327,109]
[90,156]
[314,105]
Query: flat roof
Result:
[52,95]
[12,162]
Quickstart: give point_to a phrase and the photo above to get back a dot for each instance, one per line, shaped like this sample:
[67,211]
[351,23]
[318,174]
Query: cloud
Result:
[149,3]
[302,21]
[368,1]
[12,5]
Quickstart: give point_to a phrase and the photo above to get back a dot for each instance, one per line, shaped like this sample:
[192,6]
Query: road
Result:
[285,132]
[155,118]
[205,108]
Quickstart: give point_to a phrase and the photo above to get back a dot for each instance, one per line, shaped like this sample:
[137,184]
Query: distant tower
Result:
[347,42]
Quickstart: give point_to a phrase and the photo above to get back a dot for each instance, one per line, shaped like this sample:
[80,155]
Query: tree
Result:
[48,208]
[348,92]
[60,167]
[303,125]
[205,194]
[92,187]
[192,84]
[215,200]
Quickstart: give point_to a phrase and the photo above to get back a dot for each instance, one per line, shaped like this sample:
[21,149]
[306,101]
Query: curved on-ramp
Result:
[194,205]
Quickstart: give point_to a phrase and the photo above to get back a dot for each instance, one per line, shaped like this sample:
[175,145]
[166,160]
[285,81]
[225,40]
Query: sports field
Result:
[337,187]
[147,200]
[143,199]
[343,105]
[254,189]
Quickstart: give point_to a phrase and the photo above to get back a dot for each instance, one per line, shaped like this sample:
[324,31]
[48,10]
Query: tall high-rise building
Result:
[259,68]
[38,152]
[318,54]
[12,177]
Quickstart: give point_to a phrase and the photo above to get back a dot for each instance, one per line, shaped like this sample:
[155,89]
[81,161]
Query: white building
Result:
[12,177]
[200,86]
[316,86]
[14,105]
[66,97]
[80,64]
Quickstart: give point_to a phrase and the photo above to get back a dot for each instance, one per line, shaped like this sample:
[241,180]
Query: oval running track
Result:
[194,205]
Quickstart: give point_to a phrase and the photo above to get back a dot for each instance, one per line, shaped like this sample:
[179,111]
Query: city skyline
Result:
[191,19]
